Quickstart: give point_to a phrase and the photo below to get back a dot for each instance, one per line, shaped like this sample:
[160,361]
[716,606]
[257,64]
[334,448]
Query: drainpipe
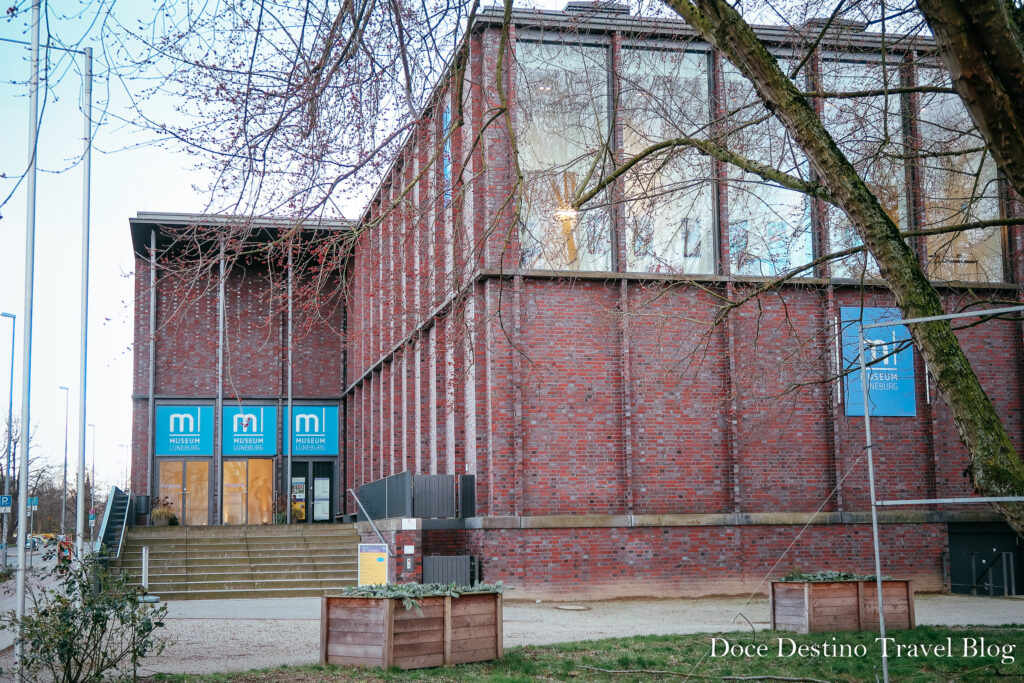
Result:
[291,420]
[151,418]
[220,391]
[343,465]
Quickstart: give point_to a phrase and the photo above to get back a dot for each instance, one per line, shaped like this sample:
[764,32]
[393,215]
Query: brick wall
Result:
[661,561]
[255,348]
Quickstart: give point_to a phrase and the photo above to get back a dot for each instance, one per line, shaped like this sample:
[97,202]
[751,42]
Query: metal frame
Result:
[372,525]
[875,503]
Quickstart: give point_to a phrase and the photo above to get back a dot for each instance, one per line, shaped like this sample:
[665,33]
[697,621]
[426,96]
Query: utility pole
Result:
[92,487]
[26,370]
[84,353]
[64,494]
[10,426]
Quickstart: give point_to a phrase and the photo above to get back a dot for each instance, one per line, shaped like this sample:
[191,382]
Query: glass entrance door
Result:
[312,491]
[185,486]
[248,491]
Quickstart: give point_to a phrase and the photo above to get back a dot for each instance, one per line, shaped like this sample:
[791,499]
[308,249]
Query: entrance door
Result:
[185,486]
[248,491]
[323,475]
[312,486]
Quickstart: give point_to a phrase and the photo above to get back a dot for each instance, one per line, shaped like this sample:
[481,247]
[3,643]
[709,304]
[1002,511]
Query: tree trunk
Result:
[996,469]
[983,48]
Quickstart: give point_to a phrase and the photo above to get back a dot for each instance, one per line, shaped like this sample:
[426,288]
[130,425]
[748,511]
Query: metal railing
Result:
[372,525]
[124,521]
[111,519]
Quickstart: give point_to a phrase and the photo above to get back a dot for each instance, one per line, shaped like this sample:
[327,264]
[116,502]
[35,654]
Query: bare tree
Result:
[308,128]
[996,467]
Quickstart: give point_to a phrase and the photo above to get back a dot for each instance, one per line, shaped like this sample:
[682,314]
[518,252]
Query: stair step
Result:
[242,561]
[247,594]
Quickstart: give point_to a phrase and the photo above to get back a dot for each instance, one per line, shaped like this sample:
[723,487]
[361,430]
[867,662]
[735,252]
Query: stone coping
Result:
[680,520]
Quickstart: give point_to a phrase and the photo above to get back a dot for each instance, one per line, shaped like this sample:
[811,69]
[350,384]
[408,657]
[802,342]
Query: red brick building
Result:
[627,437]
[213,377]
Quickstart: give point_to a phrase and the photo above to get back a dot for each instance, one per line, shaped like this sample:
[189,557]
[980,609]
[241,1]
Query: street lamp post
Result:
[92,486]
[10,425]
[64,495]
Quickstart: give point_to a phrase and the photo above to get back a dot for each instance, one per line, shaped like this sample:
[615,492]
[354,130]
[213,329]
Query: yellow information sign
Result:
[373,564]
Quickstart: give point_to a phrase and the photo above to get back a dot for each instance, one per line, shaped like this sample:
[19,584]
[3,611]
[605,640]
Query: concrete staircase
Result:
[273,561]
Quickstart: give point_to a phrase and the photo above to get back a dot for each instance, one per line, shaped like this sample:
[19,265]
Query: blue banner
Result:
[249,430]
[184,430]
[890,359]
[315,428]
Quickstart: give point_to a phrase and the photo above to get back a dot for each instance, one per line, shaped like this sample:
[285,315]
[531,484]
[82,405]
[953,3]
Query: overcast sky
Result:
[128,176]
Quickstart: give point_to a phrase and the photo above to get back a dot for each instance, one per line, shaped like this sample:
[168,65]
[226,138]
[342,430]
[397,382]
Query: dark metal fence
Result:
[462,570]
[408,495]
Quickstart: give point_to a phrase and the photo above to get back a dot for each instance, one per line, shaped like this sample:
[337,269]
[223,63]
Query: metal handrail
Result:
[370,520]
[98,545]
[124,522]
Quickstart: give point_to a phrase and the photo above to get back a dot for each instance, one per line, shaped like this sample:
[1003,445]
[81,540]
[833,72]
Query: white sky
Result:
[146,178]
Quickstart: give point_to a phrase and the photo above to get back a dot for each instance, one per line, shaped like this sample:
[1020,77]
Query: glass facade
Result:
[578,121]
[563,145]
[958,185]
[669,196]
[769,226]
[869,131]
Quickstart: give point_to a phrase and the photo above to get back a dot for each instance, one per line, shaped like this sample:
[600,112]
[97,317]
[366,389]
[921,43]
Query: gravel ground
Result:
[208,636]
[203,644]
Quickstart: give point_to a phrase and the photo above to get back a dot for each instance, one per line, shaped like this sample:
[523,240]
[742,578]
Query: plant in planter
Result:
[838,601]
[412,626]
[164,515]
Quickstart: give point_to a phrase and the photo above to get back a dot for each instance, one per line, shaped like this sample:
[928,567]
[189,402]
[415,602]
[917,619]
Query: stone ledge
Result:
[682,520]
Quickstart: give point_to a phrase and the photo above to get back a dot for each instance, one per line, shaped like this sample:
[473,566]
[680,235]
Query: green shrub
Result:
[87,626]
[411,593]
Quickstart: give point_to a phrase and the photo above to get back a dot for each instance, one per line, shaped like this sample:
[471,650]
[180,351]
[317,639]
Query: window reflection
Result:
[668,209]
[869,132]
[563,138]
[958,185]
[769,225]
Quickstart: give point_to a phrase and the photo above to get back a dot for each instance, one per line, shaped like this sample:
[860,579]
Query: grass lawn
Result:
[964,654]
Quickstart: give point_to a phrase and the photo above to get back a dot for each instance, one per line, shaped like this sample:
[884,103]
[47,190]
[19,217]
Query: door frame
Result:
[273,482]
[309,462]
[184,460]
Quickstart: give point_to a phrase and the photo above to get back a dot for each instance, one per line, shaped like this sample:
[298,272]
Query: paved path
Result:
[225,635]
[235,635]
[38,575]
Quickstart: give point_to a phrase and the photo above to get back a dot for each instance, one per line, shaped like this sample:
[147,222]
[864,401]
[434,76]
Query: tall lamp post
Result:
[10,425]
[64,495]
[92,487]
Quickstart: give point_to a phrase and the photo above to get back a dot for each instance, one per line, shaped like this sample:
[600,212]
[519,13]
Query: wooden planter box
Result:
[381,632]
[812,607]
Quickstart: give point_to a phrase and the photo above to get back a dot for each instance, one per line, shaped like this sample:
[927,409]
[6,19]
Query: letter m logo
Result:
[178,422]
[307,423]
[245,422]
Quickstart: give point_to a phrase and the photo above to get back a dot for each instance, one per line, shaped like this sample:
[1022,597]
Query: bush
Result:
[164,513]
[87,626]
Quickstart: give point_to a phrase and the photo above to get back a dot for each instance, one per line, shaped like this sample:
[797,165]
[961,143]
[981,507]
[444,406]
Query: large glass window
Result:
[769,225]
[563,136]
[869,131]
[958,185]
[668,195]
